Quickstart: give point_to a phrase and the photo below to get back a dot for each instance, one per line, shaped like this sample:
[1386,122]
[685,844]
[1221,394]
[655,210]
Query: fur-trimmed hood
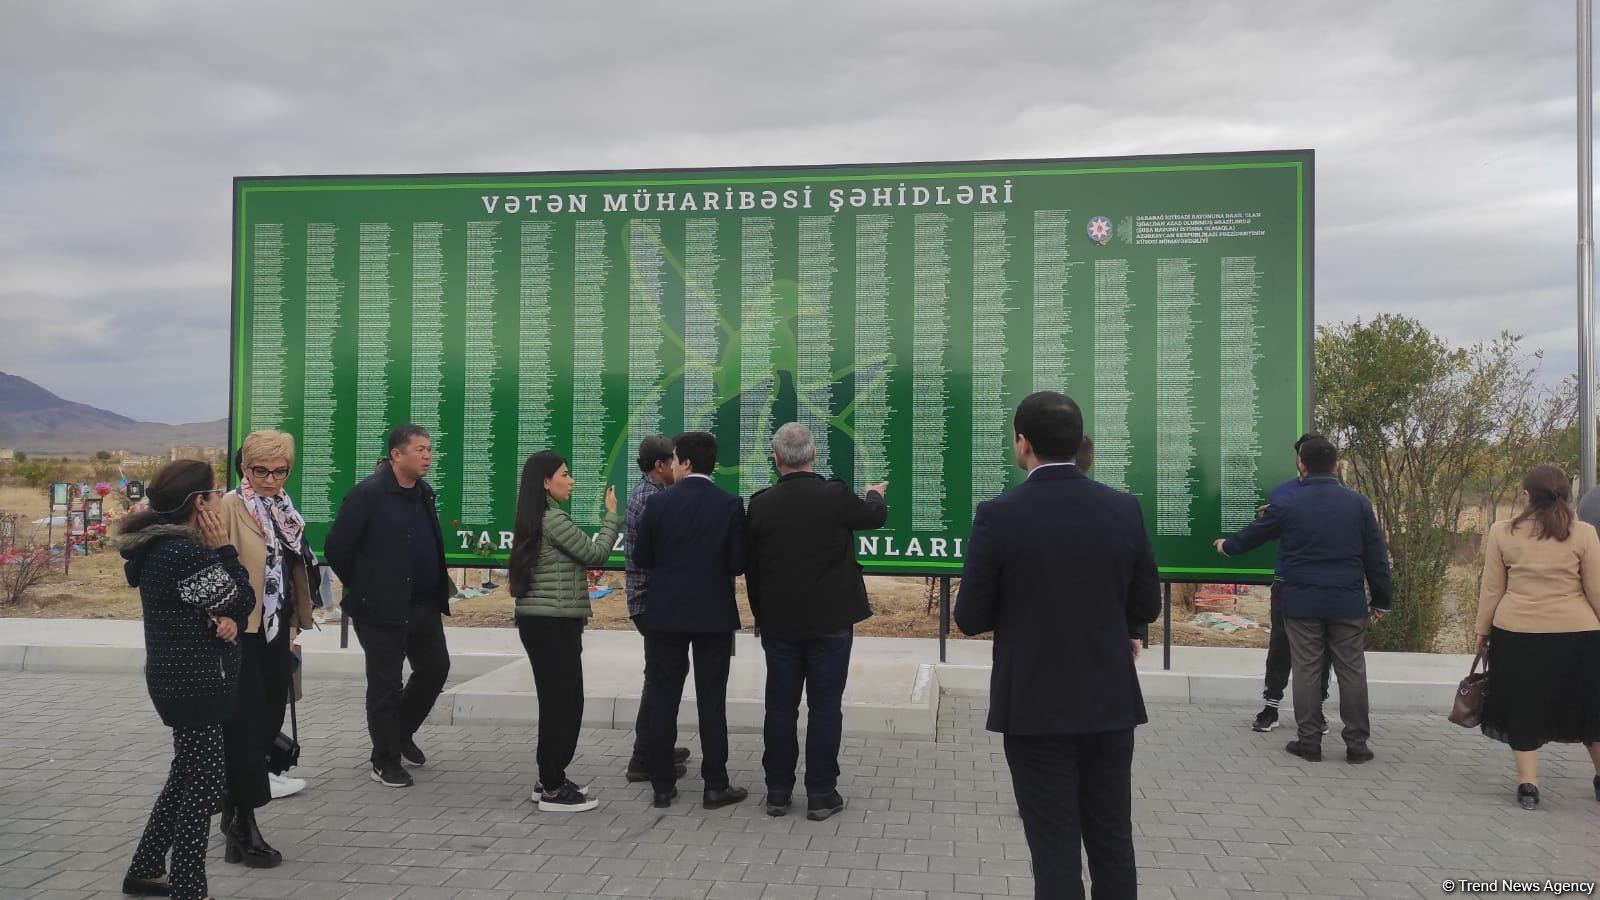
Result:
[135,546]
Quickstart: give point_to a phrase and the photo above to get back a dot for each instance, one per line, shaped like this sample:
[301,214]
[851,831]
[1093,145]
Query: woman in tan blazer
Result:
[1539,620]
[270,536]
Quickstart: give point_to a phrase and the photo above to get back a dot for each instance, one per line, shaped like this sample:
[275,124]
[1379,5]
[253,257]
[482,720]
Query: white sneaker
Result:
[285,786]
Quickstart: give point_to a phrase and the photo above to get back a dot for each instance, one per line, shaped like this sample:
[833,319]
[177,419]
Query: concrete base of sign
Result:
[894,687]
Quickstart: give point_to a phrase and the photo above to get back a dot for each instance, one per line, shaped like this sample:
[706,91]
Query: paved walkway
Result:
[1220,812]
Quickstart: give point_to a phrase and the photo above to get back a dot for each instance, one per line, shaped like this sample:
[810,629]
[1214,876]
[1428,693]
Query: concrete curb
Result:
[101,659]
[481,700]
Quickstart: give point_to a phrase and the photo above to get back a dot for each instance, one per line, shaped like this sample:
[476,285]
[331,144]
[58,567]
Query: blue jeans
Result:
[819,666]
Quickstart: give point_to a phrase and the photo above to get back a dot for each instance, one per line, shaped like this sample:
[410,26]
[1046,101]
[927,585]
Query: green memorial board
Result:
[900,311]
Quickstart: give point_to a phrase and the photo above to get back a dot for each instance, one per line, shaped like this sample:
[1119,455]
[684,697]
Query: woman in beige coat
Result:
[1539,619]
[270,536]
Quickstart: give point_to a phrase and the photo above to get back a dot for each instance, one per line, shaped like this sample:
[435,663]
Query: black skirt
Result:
[1543,688]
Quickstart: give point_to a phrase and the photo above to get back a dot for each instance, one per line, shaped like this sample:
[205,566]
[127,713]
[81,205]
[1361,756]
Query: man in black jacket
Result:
[691,540]
[807,594]
[1061,569]
[386,547]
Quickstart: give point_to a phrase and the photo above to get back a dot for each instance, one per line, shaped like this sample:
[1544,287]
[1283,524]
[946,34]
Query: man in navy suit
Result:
[692,540]
[1061,569]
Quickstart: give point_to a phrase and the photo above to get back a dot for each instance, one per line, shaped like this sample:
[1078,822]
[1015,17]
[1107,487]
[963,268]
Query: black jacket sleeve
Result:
[863,513]
[752,561]
[978,603]
[737,555]
[345,534]
[1375,556]
[1144,585]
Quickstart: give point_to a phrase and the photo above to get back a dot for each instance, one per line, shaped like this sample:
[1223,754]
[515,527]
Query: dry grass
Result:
[96,589]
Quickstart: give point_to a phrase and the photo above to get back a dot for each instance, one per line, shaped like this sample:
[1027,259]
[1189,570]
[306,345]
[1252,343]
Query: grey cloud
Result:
[1443,133]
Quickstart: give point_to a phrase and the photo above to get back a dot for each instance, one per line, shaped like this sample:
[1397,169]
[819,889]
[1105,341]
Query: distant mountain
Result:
[36,421]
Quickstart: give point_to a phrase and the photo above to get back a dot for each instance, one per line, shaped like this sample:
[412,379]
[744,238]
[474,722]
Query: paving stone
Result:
[1219,812]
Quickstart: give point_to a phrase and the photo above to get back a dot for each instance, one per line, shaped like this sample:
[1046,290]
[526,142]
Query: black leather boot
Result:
[246,845]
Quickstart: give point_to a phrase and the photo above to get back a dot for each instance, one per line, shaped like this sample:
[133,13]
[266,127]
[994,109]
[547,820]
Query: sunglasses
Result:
[263,472]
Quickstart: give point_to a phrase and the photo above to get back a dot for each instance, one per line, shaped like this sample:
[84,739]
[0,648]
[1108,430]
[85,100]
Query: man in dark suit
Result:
[807,595]
[1061,569]
[692,541]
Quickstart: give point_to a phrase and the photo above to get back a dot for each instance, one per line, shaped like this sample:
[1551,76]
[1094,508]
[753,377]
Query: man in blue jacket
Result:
[692,542]
[1278,655]
[1329,545]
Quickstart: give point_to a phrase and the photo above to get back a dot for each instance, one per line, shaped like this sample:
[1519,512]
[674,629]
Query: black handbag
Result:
[285,752]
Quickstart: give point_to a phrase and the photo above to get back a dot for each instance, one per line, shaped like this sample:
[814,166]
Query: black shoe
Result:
[637,772]
[1359,754]
[819,808]
[1306,751]
[411,754]
[717,798]
[538,788]
[391,775]
[567,799]
[246,845]
[1528,796]
[778,802]
[226,820]
[680,755]
[1266,720]
[664,798]
[145,887]
[1597,787]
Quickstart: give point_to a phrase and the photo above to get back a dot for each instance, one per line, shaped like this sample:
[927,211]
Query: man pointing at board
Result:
[1061,569]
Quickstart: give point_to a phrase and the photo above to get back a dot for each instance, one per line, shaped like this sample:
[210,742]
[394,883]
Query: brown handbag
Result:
[1467,711]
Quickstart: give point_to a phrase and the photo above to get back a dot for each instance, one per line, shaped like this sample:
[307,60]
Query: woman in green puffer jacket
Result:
[550,561]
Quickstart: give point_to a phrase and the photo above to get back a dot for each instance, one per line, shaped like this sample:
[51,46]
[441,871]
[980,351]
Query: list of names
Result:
[478,418]
[427,338]
[929,392]
[591,270]
[758,316]
[535,374]
[1240,351]
[991,292]
[1176,306]
[267,353]
[374,300]
[1113,443]
[701,349]
[320,482]
[645,337]
[814,333]
[1052,310]
[872,410]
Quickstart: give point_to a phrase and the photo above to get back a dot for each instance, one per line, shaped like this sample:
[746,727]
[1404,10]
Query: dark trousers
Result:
[394,710]
[666,666]
[1072,789]
[637,762]
[1279,659]
[555,651]
[1344,641]
[819,666]
[181,818]
[265,670]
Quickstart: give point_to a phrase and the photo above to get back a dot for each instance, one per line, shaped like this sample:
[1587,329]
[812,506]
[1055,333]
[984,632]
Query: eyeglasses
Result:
[263,472]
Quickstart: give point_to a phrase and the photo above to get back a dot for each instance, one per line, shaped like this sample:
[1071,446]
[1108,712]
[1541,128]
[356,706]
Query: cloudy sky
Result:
[1443,132]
